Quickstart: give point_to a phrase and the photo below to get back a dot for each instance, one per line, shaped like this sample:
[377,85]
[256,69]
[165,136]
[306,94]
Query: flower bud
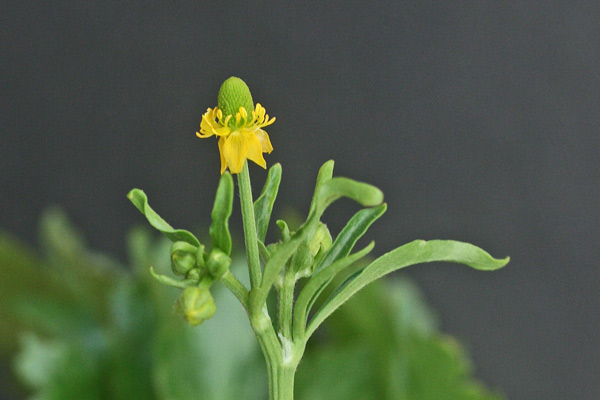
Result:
[196,305]
[234,93]
[322,238]
[194,274]
[218,263]
[183,257]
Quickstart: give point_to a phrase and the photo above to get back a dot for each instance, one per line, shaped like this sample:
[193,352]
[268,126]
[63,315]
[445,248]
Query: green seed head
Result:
[234,93]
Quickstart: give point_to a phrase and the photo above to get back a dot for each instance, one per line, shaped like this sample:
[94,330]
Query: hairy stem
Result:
[280,354]
[286,305]
[237,288]
[249,222]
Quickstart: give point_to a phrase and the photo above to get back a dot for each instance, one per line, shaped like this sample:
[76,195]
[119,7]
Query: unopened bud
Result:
[183,257]
[218,263]
[194,274]
[322,239]
[196,305]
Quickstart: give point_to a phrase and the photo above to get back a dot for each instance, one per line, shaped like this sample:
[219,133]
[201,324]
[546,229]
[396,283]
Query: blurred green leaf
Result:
[129,354]
[20,277]
[87,275]
[59,370]
[337,373]
[36,295]
[391,334]
[221,360]
[382,345]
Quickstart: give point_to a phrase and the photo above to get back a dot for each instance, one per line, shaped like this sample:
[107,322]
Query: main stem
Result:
[281,363]
[281,366]
[283,376]
[249,222]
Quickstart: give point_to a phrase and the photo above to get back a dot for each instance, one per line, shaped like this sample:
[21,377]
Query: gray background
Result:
[479,120]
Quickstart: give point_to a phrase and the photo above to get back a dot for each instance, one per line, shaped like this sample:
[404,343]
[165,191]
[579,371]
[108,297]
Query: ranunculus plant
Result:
[298,268]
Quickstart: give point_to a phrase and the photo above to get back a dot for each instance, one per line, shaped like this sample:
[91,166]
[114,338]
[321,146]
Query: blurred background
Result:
[478,120]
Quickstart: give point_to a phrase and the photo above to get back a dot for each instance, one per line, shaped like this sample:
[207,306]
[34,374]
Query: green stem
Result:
[283,379]
[237,288]
[279,381]
[280,359]
[249,226]
[286,305]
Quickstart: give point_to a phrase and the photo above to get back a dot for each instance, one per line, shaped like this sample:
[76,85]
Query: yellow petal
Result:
[223,162]
[264,141]
[209,125]
[206,130]
[235,150]
[255,149]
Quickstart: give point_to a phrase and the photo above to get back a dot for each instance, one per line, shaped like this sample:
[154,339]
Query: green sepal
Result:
[167,280]
[416,252]
[263,206]
[140,201]
[219,229]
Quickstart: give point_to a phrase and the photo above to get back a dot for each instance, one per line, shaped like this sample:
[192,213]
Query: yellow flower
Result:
[241,136]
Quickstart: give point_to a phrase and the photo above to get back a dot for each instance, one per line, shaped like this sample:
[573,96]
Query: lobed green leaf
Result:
[344,243]
[347,238]
[324,175]
[416,252]
[276,263]
[336,188]
[263,206]
[140,201]
[219,229]
[317,283]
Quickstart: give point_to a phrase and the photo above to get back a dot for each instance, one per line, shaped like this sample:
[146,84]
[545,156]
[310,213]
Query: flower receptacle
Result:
[234,93]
